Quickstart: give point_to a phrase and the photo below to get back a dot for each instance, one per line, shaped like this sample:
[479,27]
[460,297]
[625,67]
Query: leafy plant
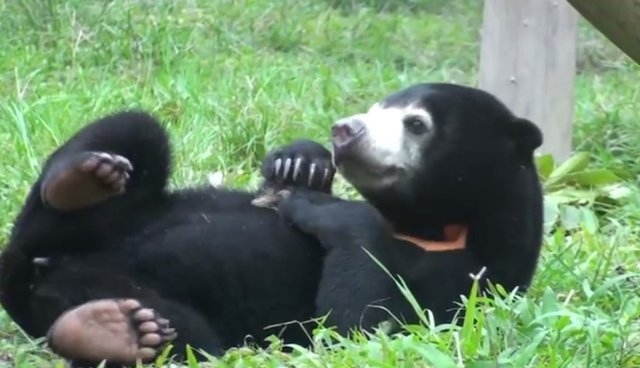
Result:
[576,193]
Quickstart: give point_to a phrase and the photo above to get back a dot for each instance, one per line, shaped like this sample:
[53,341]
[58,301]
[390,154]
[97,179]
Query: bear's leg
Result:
[354,289]
[125,155]
[122,331]
[116,330]
[89,168]
[89,313]
[127,152]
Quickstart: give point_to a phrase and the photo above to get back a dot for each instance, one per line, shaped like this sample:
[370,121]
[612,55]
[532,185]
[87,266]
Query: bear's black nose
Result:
[345,131]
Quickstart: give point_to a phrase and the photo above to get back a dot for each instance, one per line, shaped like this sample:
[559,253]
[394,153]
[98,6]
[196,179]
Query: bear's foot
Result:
[118,331]
[85,180]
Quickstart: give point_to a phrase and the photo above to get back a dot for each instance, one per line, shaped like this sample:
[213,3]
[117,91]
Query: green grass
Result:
[233,79]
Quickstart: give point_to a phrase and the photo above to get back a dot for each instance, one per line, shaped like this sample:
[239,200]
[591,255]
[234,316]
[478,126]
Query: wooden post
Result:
[528,59]
[619,21]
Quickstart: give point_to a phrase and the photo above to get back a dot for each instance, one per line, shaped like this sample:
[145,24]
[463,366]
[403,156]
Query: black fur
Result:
[220,268]
[217,267]
[477,169]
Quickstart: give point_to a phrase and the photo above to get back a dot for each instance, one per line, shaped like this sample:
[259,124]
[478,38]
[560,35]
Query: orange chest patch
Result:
[455,238]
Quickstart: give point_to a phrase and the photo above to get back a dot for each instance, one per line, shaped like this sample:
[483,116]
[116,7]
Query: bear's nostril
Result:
[338,130]
[346,129]
[341,131]
[345,133]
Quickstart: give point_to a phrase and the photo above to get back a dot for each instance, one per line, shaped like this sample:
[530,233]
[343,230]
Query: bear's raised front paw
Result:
[303,163]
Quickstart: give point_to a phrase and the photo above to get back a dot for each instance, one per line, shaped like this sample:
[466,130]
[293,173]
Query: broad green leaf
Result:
[545,165]
[570,217]
[617,191]
[551,214]
[572,195]
[589,220]
[577,162]
[549,301]
[595,177]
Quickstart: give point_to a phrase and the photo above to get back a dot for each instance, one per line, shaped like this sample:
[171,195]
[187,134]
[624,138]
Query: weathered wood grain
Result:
[528,59]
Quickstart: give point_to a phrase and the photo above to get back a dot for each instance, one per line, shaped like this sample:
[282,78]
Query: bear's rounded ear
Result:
[527,135]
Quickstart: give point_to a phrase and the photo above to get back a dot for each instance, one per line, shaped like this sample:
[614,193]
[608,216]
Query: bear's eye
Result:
[415,125]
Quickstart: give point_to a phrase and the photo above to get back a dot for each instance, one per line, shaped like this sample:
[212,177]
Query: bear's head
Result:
[437,153]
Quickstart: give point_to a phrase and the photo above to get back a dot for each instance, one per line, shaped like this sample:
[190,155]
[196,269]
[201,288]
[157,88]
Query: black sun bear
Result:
[109,264]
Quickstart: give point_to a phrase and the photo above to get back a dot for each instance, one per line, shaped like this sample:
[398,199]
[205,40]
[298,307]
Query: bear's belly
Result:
[244,268]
